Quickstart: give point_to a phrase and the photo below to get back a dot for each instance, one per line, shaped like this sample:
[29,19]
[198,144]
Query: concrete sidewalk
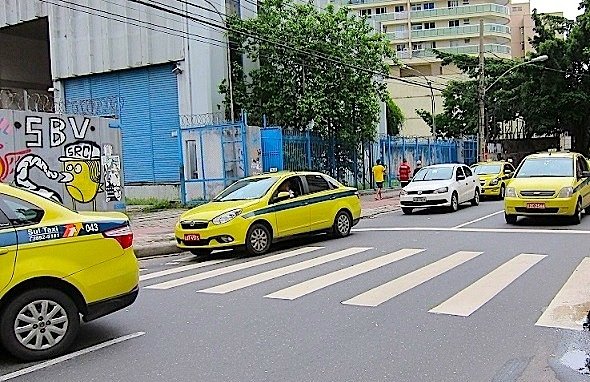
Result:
[154,231]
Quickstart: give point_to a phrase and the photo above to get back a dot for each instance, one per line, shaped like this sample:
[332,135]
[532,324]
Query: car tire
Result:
[258,239]
[201,252]
[342,224]
[407,210]
[38,304]
[454,202]
[510,219]
[475,200]
[577,217]
[502,192]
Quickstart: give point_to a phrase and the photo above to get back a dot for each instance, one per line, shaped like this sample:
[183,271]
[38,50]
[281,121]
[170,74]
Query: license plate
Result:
[420,199]
[192,237]
[535,205]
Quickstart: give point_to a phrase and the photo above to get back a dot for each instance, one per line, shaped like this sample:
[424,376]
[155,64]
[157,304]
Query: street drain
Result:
[577,360]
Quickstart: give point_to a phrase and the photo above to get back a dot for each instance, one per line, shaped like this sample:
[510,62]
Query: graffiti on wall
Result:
[111,165]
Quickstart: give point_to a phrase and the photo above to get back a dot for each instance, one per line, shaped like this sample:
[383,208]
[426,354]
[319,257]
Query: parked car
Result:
[549,184]
[493,177]
[254,212]
[444,185]
[55,265]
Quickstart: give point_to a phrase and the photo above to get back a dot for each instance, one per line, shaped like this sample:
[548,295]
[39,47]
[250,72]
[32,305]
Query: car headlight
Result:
[494,182]
[441,190]
[226,216]
[511,192]
[566,192]
[403,192]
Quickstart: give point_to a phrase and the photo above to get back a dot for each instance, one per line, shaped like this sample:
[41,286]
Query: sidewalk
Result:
[154,231]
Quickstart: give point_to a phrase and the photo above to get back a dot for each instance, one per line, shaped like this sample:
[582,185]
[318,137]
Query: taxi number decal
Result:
[91,227]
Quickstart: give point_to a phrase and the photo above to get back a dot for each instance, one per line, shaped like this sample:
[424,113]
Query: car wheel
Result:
[38,324]
[258,239]
[201,252]
[577,217]
[407,210]
[475,200]
[342,224]
[454,202]
[502,192]
[510,219]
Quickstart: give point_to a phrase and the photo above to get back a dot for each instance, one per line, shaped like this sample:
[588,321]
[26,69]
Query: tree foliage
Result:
[313,68]
[394,116]
[552,97]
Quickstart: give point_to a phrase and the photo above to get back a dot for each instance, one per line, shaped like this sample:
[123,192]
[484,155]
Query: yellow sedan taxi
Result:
[549,184]
[493,177]
[253,212]
[55,265]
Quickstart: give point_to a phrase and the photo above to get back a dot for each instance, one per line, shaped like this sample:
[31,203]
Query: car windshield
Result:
[487,169]
[246,189]
[546,167]
[433,173]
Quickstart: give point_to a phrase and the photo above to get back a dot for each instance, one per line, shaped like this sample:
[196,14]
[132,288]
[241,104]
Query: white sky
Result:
[568,7]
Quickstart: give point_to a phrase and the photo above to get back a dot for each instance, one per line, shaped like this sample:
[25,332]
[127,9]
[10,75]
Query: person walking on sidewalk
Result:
[418,167]
[379,176]
[404,172]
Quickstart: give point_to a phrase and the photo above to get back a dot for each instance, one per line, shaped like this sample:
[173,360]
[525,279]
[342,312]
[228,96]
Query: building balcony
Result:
[466,49]
[463,31]
[465,11]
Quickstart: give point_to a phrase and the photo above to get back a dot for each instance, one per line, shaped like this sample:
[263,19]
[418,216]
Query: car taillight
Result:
[123,235]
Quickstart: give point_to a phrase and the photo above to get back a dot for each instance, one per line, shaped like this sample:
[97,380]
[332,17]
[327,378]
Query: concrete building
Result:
[161,64]
[522,26]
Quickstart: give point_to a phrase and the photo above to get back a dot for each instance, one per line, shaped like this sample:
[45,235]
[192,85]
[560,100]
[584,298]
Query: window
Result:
[453,23]
[508,167]
[522,45]
[467,40]
[416,7]
[543,167]
[191,153]
[19,212]
[459,173]
[316,183]
[333,182]
[517,9]
[465,2]
[428,6]
[246,189]
[466,21]
[467,171]
[429,26]
[291,185]
[433,45]
[433,173]
[453,3]
[400,47]
[416,27]
[365,12]
[399,8]
[380,10]
[418,46]
[582,166]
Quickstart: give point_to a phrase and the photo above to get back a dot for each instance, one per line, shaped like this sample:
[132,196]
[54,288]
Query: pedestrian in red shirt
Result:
[404,173]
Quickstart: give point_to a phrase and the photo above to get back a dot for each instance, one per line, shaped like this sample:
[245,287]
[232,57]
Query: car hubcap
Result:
[259,240]
[343,224]
[502,191]
[41,324]
[454,202]
[477,197]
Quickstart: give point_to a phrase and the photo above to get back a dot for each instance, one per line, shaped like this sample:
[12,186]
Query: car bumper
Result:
[229,235]
[556,206]
[430,200]
[102,308]
[490,191]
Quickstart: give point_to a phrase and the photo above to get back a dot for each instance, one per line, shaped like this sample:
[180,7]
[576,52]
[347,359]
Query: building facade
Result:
[522,26]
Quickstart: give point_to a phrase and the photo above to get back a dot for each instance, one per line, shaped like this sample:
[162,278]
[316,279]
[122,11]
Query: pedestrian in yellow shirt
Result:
[379,176]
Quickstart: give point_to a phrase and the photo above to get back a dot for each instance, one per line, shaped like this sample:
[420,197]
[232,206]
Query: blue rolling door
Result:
[149,115]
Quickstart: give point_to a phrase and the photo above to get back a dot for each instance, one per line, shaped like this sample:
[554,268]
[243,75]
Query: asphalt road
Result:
[226,318]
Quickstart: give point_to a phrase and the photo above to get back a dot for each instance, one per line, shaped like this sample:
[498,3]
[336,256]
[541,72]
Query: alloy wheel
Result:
[41,324]
[343,224]
[259,239]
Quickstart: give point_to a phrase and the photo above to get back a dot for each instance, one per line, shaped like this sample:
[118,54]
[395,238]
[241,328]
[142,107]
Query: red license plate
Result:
[192,237]
[538,206]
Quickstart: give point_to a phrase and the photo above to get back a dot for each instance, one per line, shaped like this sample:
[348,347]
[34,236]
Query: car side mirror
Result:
[585,174]
[283,195]
[460,177]
[508,173]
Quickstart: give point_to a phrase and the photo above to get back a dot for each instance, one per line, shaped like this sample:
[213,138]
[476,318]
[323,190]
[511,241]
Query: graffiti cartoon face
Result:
[82,161]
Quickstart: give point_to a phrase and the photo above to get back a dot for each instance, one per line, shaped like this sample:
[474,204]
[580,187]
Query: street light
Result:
[432,103]
[482,92]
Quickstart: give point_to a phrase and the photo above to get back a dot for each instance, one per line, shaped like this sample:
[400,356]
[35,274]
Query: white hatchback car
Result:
[443,185]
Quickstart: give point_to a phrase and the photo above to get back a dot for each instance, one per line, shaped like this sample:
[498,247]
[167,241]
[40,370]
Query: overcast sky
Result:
[568,7]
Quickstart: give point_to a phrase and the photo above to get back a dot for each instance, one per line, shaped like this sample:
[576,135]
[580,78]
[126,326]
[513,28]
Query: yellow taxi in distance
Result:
[253,212]
[55,265]
[493,177]
[550,183]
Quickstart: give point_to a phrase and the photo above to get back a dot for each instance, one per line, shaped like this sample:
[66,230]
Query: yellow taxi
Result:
[549,183]
[493,176]
[253,212]
[55,265]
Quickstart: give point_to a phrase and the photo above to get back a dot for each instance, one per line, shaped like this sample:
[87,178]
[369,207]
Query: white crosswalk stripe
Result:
[572,303]
[171,271]
[477,294]
[231,268]
[307,287]
[269,275]
[387,291]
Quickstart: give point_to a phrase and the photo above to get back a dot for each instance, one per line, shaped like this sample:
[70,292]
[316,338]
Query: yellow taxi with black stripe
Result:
[493,176]
[549,184]
[55,265]
[255,211]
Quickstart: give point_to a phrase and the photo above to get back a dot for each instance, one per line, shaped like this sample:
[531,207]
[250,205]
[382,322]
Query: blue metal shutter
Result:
[149,115]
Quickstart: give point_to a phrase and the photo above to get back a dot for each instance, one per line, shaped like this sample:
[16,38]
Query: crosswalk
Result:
[567,310]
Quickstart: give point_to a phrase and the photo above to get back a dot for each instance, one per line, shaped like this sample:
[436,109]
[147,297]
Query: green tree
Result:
[314,68]
[394,116]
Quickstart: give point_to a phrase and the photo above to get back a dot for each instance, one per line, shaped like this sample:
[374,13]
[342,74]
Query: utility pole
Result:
[482,92]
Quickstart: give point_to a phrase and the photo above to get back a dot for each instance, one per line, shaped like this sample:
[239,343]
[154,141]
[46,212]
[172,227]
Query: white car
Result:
[443,185]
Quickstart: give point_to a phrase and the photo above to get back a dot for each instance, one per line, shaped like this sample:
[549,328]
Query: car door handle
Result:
[3,251]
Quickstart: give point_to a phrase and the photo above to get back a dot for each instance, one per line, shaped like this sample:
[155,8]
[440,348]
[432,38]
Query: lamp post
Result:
[432,102]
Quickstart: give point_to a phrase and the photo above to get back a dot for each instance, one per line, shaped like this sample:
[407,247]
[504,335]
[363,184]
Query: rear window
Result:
[546,167]
[20,213]
[317,183]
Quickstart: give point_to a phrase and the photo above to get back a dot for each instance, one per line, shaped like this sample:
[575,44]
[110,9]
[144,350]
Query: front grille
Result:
[537,210]
[420,192]
[426,203]
[537,194]
[194,224]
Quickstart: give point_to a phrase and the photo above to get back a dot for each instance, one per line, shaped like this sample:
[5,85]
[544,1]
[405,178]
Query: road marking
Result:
[478,220]
[231,268]
[572,303]
[307,287]
[42,365]
[184,268]
[269,275]
[393,288]
[480,230]
[483,290]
